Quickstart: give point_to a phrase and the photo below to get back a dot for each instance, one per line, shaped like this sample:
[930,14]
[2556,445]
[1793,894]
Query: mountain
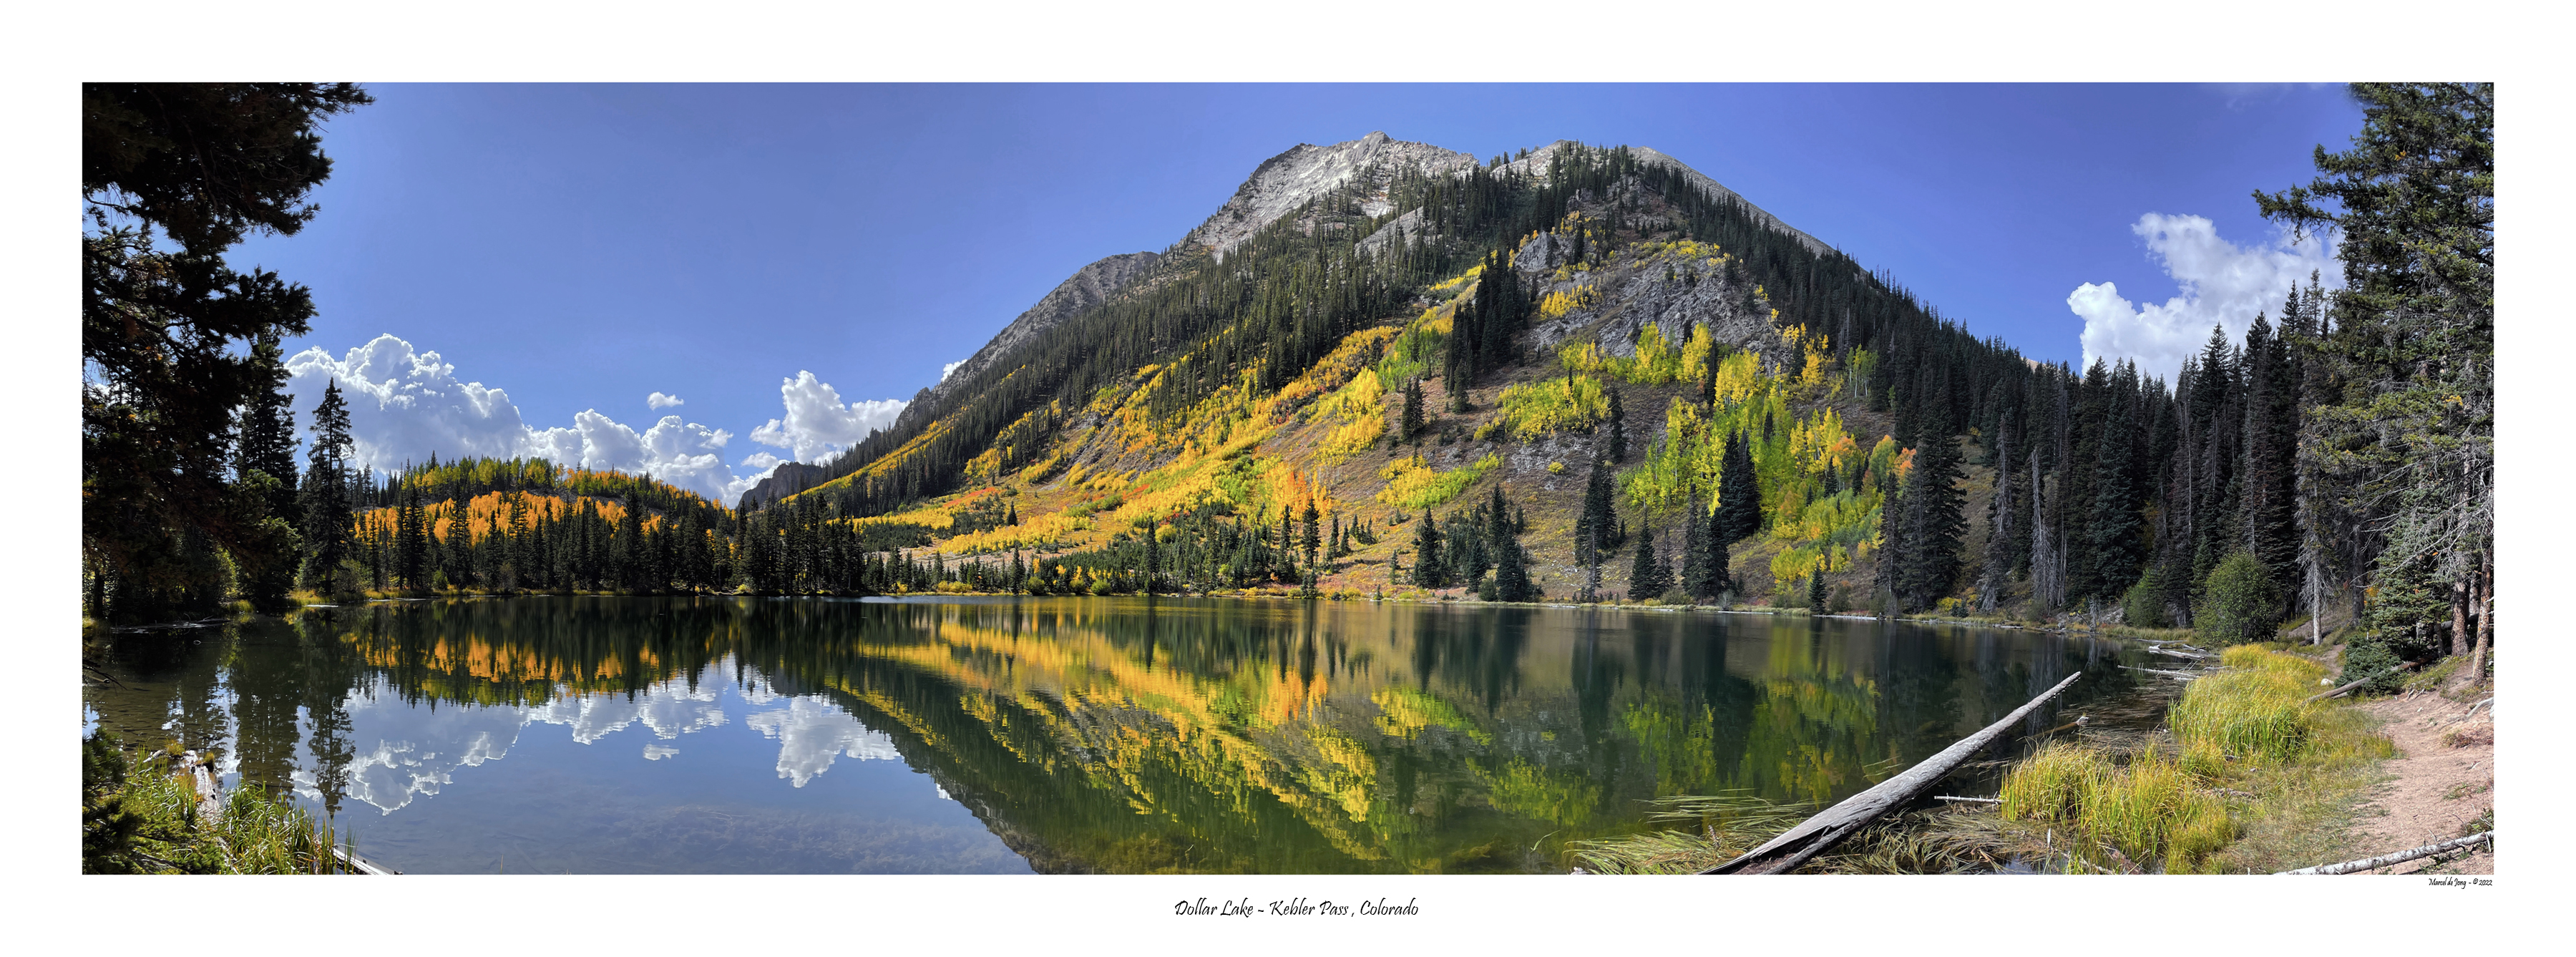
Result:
[1262,361]
[1287,182]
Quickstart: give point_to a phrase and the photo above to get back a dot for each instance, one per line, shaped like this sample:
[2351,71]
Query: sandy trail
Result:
[2439,785]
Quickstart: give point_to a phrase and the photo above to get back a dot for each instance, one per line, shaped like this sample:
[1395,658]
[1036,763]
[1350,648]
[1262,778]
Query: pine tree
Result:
[1927,561]
[1699,574]
[1312,541]
[1739,492]
[1430,565]
[2408,446]
[1410,426]
[1650,577]
[324,490]
[1511,572]
[172,177]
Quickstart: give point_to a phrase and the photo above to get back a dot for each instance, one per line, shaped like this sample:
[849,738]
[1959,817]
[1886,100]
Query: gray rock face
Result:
[1087,287]
[1306,171]
[1633,294]
[788,479]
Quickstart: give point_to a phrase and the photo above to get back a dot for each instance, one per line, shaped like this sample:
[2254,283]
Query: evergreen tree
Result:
[1695,572]
[1739,492]
[2408,446]
[1511,572]
[1430,565]
[173,176]
[325,492]
[1928,558]
[1650,577]
[1410,426]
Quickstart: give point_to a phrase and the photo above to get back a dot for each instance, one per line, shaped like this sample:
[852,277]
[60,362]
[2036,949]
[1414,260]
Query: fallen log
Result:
[2184,675]
[2322,695]
[1945,797]
[2188,656]
[1816,834]
[2473,712]
[2374,863]
[360,865]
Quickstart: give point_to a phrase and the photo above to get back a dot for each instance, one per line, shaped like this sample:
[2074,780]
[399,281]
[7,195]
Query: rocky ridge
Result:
[1287,181]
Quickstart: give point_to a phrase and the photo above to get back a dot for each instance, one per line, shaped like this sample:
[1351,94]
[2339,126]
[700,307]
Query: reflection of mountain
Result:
[1127,736]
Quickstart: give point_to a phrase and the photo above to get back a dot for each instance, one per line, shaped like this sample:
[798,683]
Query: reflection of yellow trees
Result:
[1680,741]
[1812,730]
[1519,787]
[471,669]
[1404,712]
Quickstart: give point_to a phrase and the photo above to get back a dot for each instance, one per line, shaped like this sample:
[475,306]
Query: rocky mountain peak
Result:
[1305,171]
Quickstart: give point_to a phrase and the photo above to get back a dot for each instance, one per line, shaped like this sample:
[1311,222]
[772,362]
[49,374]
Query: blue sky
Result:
[582,247]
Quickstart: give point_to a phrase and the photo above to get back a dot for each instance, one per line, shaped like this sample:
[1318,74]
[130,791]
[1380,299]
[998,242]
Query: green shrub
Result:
[2240,603]
[2143,606]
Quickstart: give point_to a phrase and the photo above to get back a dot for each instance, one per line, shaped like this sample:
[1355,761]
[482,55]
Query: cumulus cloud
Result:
[818,423]
[406,404]
[2221,283]
[951,367]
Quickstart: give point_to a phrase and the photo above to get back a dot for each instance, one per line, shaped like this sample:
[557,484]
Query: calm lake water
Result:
[738,735]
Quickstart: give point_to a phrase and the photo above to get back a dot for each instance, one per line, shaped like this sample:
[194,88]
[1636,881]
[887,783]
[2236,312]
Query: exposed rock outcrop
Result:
[1286,181]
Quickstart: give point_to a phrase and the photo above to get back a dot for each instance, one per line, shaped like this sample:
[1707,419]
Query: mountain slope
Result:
[1262,364]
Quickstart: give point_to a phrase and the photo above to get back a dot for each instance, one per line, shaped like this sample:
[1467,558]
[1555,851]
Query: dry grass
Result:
[1717,828]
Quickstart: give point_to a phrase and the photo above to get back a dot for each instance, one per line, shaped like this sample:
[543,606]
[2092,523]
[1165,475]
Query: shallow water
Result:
[738,735]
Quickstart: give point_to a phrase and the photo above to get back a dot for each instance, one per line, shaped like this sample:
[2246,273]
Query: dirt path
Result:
[2438,786]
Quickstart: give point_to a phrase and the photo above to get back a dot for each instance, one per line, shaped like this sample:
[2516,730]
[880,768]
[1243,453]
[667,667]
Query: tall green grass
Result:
[144,818]
[2256,708]
[2151,809]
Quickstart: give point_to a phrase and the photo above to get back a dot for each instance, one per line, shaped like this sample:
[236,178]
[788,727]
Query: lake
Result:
[1054,735]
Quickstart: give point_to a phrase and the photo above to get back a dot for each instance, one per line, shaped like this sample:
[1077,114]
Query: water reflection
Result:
[1080,734]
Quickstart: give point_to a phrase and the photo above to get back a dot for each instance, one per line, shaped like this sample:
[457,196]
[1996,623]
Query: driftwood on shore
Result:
[2184,675]
[2400,857]
[1816,834]
[2322,695]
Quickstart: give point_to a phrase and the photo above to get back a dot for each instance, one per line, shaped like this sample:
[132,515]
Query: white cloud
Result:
[818,423]
[951,367]
[406,404]
[2222,284]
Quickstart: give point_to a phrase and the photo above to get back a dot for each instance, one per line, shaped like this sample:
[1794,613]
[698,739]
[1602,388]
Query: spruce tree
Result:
[1430,565]
[1699,575]
[1649,577]
[1928,560]
[325,491]
[1511,572]
[1739,492]
[1410,426]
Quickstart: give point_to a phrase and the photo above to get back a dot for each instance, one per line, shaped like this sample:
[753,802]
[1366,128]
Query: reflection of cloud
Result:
[812,733]
[423,747]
